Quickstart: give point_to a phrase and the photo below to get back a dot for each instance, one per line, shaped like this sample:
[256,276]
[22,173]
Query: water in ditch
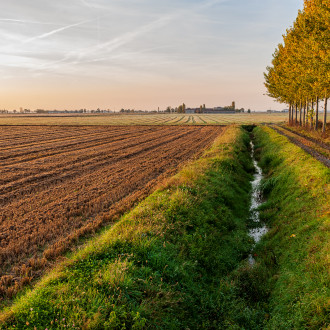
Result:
[260,228]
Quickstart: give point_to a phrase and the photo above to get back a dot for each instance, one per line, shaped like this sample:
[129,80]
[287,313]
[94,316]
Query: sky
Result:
[139,54]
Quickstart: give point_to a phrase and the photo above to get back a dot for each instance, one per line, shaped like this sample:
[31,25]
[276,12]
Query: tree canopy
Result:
[300,69]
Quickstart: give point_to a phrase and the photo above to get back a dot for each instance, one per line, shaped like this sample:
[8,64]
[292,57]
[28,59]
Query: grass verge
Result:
[294,255]
[164,264]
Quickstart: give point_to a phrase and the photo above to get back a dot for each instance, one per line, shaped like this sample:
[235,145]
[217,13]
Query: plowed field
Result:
[59,183]
[143,119]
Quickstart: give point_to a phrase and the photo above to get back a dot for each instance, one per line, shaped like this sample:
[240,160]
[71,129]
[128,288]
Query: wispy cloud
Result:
[105,50]
[117,42]
[158,23]
[108,46]
[50,33]
[210,3]
[12,20]
[88,5]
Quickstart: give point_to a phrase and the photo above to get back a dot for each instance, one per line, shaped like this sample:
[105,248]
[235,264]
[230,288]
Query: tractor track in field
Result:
[320,143]
[299,140]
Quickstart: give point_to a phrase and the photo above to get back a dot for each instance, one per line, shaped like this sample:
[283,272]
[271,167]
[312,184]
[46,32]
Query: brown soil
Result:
[59,184]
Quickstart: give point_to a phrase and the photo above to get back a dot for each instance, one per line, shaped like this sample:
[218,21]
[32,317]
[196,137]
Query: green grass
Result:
[164,264]
[142,119]
[295,252]
[288,287]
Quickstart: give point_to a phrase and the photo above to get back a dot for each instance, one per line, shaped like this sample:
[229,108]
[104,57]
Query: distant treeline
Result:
[300,72]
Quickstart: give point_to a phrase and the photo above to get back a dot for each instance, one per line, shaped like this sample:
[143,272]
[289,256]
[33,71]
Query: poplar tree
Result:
[300,70]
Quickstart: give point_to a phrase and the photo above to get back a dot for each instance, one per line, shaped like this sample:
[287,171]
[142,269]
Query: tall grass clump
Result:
[164,264]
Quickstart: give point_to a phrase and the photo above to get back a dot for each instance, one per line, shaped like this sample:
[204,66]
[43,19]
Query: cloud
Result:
[117,42]
[50,33]
[12,20]
[210,3]
[88,5]
[104,50]
[109,46]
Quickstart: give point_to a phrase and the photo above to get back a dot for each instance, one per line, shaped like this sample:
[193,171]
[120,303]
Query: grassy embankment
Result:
[293,258]
[163,264]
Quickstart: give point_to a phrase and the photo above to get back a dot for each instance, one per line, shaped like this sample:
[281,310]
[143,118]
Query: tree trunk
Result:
[290,113]
[317,113]
[325,115]
[300,112]
[296,119]
[304,114]
[312,109]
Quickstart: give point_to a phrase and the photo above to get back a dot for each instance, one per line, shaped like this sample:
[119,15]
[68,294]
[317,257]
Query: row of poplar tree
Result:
[300,72]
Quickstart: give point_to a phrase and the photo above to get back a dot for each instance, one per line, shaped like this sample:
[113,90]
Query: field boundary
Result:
[316,141]
[321,158]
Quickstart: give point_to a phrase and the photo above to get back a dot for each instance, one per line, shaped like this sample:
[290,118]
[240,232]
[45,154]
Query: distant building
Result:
[215,110]
[190,110]
[277,111]
[218,110]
